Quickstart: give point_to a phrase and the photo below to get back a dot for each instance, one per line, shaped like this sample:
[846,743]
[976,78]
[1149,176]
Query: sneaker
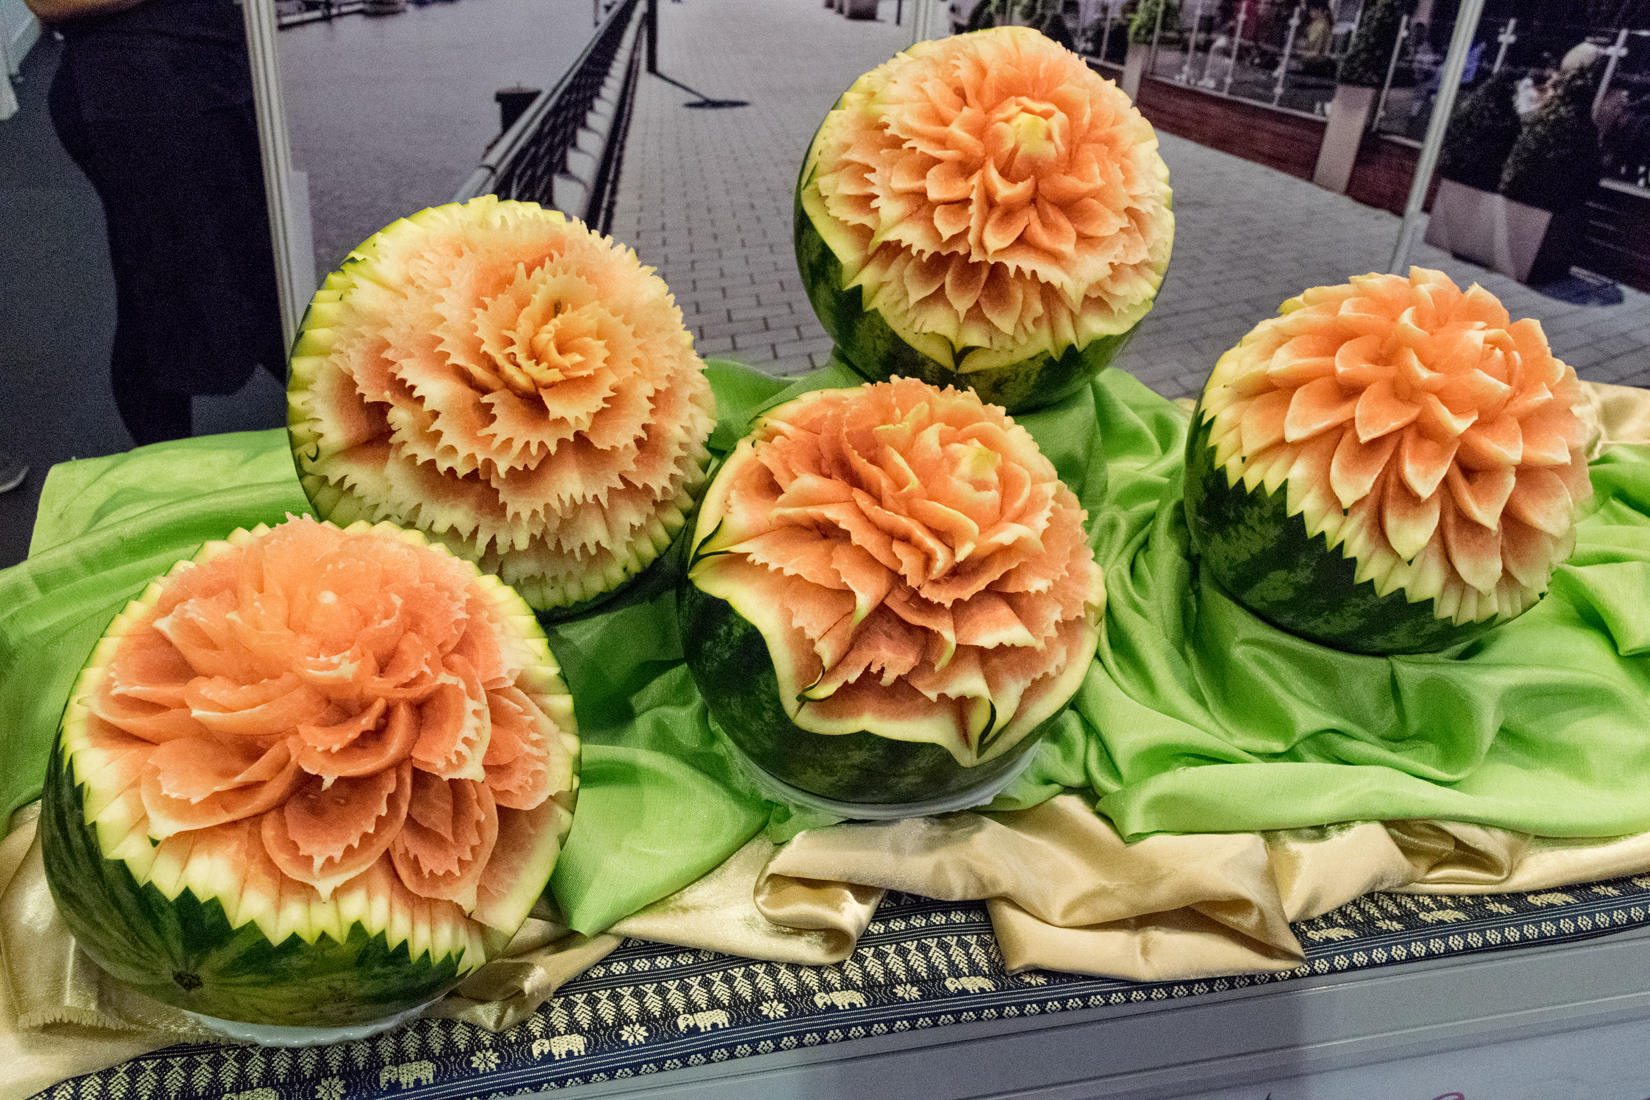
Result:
[12,472]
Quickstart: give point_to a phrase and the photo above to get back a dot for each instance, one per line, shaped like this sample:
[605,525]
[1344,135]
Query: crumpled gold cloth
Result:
[1622,413]
[1064,893]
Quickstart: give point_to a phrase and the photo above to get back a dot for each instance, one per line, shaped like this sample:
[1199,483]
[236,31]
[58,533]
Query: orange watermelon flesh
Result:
[326,739]
[916,569]
[1408,425]
[999,210]
[503,379]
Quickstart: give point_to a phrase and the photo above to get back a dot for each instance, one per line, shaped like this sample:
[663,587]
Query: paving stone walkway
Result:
[705,192]
[705,196]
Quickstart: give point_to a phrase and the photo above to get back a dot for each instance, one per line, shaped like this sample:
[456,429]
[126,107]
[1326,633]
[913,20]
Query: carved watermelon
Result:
[1388,466]
[984,211]
[508,382]
[890,593]
[312,778]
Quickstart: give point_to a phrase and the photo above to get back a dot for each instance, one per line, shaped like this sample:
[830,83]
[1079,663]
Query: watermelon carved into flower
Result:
[340,705]
[989,191]
[907,551]
[509,382]
[1453,452]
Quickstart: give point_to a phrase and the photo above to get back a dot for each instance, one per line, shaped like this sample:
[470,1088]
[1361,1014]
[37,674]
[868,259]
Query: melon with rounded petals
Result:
[311,778]
[1391,465]
[890,593]
[512,384]
[984,211]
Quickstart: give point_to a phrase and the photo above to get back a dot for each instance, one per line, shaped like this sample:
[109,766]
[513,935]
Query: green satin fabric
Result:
[1199,717]
[1195,718]
[106,528]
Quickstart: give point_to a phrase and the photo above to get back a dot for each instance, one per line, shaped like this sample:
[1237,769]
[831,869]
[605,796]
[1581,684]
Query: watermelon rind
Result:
[734,672]
[876,351]
[184,951]
[1264,557]
[180,922]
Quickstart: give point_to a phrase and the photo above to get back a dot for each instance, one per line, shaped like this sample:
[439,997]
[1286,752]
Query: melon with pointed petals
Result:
[984,211]
[512,384]
[1391,465]
[311,778]
[890,593]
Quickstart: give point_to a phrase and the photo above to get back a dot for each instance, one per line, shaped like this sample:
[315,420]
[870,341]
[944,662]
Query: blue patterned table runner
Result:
[649,1008]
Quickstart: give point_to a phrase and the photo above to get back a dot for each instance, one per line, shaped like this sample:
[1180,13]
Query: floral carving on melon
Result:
[907,551]
[504,379]
[356,712]
[991,190]
[1418,425]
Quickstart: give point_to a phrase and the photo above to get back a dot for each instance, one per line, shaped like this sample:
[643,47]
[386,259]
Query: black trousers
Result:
[155,105]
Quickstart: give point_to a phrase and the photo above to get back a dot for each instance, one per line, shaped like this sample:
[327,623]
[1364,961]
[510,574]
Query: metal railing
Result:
[1281,53]
[564,150]
[315,11]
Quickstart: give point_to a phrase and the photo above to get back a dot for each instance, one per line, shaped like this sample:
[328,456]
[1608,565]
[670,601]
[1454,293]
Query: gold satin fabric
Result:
[741,909]
[1623,414]
[1064,893]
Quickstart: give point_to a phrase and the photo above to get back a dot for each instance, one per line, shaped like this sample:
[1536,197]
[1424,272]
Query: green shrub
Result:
[1481,133]
[1555,163]
[1144,23]
[984,14]
[1367,58]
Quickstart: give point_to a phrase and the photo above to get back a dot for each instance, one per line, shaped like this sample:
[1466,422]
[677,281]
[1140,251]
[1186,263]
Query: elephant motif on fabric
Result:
[971,984]
[407,1074]
[704,1021]
[558,1046]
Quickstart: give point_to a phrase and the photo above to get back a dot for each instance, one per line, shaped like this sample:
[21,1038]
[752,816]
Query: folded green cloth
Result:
[1195,717]
[1199,717]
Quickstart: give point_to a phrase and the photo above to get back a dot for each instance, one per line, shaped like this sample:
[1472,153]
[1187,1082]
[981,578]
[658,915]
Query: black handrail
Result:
[604,192]
[527,158]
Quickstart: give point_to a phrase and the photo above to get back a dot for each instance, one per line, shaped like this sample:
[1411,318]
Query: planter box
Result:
[860,9]
[1285,140]
[1348,117]
[1525,242]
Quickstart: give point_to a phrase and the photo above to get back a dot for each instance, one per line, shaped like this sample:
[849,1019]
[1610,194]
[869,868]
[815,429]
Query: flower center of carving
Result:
[1027,143]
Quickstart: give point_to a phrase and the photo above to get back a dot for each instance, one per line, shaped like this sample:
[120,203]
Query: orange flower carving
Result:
[347,704]
[1453,450]
[907,550]
[992,191]
[509,382]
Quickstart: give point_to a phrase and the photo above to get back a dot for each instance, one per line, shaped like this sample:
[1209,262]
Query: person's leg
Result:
[181,185]
[150,415]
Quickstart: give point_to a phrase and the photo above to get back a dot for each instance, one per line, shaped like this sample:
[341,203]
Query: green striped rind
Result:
[182,951]
[734,672]
[1266,561]
[872,347]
